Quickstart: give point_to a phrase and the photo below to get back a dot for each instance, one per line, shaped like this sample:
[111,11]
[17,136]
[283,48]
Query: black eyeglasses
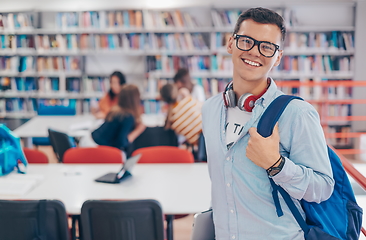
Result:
[246,43]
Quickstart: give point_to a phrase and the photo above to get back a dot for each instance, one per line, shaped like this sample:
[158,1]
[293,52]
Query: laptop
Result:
[203,226]
[123,174]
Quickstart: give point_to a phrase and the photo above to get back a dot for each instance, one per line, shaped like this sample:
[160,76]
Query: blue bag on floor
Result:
[10,151]
[339,217]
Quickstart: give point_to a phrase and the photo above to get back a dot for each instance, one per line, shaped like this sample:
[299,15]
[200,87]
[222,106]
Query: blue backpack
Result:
[339,217]
[10,151]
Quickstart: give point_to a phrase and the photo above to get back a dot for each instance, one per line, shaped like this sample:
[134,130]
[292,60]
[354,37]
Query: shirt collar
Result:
[269,95]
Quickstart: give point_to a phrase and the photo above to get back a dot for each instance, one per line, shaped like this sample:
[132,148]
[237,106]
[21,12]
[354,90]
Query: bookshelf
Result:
[65,57]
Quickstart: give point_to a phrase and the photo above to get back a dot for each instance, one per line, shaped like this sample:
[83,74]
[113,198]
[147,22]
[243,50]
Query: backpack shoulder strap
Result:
[273,113]
[265,128]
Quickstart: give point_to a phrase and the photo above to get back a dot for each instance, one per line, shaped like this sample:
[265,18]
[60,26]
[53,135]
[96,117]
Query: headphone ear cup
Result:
[231,98]
[246,102]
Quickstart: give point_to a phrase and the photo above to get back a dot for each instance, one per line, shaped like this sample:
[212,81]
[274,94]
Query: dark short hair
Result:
[121,77]
[122,81]
[262,15]
[166,93]
[180,74]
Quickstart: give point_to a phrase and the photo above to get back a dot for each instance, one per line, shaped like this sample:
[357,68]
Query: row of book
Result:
[331,41]
[25,64]
[16,21]
[170,19]
[317,92]
[228,18]
[24,106]
[44,84]
[18,84]
[100,19]
[170,64]
[96,84]
[16,64]
[315,64]
[162,41]
[57,64]
[16,41]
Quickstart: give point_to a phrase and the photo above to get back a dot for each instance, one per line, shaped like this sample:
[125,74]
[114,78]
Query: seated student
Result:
[184,112]
[117,80]
[123,123]
[183,80]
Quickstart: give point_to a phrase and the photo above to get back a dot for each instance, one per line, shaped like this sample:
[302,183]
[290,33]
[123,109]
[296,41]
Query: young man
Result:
[240,161]
[183,80]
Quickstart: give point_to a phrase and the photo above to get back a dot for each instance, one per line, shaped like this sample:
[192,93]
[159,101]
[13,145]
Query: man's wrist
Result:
[276,168]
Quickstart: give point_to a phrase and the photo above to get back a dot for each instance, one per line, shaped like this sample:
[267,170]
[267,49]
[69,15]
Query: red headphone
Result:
[246,101]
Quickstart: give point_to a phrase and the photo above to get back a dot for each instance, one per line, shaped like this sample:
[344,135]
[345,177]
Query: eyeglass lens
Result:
[266,49]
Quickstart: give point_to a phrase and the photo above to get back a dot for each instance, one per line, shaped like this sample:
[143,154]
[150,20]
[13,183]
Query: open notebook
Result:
[17,185]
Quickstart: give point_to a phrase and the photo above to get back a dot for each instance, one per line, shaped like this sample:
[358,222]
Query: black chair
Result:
[34,219]
[154,136]
[123,220]
[60,142]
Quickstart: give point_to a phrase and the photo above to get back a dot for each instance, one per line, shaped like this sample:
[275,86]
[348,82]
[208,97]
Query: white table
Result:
[180,188]
[74,126]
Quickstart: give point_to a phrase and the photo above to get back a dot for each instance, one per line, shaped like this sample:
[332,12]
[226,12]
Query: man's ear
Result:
[278,60]
[229,45]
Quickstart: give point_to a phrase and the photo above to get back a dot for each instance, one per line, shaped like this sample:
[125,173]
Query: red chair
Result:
[35,156]
[164,154]
[100,154]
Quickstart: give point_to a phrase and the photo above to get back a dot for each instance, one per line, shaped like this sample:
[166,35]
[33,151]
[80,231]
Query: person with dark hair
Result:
[184,112]
[183,79]
[117,80]
[241,161]
[122,124]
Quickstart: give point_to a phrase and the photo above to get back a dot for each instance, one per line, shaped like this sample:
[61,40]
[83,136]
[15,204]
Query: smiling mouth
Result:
[251,63]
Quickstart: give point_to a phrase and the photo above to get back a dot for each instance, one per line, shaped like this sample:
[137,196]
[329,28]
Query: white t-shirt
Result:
[198,93]
[236,119]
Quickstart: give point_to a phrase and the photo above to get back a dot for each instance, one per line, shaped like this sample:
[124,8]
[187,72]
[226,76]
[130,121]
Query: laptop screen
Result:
[130,162]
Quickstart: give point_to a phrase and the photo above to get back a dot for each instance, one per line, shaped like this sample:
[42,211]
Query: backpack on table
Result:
[10,151]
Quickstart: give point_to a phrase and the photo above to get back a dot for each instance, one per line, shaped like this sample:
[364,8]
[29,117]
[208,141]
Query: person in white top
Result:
[183,79]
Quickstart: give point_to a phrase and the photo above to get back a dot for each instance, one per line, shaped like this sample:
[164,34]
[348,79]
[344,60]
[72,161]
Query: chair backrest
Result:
[164,154]
[56,110]
[124,220]
[34,219]
[35,156]
[100,154]
[60,142]
[154,136]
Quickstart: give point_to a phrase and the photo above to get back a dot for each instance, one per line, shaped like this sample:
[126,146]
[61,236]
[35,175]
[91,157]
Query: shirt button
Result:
[232,211]
[228,184]
[228,158]
[233,237]
[223,131]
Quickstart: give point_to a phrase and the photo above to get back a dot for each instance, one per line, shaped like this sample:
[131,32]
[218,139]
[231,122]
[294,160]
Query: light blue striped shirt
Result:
[242,203]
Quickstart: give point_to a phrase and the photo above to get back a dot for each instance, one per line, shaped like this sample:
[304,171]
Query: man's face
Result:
[251,65]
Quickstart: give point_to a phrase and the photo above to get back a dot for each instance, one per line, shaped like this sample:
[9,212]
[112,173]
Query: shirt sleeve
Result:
[307,172]
[105,104]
